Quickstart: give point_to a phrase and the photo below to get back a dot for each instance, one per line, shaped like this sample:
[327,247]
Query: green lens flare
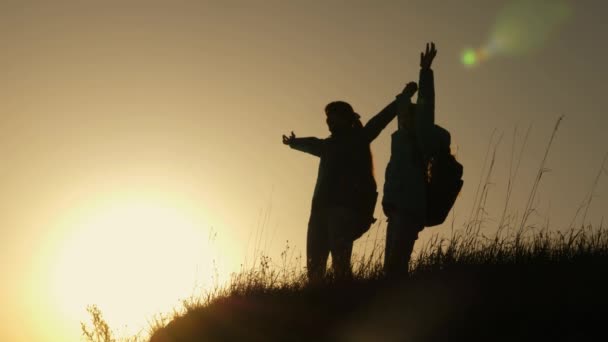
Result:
[522,27]
[469,57]
[525,26]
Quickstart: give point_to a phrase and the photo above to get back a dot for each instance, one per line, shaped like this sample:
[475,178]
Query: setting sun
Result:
[133,258]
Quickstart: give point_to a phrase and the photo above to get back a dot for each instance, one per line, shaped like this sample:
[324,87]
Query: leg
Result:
[401,235]
[317,247]
[341,255]
[393,256]
[408,248]
[340,224]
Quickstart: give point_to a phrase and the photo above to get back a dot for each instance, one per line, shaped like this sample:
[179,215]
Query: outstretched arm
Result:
[376,124]
[310,145]
[425,105]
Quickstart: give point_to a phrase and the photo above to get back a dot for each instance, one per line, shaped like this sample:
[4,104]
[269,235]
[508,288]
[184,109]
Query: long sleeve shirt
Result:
[405,178]
[345,167]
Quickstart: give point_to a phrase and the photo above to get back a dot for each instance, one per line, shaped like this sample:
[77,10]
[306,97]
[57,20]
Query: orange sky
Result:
[181,106]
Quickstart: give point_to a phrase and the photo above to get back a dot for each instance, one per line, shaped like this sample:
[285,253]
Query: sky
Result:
[141,141]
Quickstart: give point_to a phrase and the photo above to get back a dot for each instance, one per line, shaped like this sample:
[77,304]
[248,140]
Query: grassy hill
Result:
[522,284]
[548,286]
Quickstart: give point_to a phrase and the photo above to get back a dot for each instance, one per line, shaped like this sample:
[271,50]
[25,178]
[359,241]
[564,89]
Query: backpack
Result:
[365,214]
[444,182]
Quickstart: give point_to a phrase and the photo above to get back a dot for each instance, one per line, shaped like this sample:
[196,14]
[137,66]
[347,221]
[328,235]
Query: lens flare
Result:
[469,57]
[522,27]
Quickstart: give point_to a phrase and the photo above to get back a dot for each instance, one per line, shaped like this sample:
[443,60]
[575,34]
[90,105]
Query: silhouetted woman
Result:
[404,200]
[345,193]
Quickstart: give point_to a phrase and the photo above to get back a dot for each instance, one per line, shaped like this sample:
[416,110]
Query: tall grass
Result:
[515,243]
[461,251]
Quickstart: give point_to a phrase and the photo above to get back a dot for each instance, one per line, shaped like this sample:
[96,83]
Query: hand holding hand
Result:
[426,58]
[288,140]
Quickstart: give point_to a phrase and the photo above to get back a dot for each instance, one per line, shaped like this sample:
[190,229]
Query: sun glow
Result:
[133,259]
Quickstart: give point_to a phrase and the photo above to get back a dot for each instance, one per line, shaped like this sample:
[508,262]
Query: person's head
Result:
[406,118]
[341,117]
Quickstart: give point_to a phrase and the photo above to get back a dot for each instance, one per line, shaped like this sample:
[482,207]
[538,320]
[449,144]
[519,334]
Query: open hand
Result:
[426,57]
[288,140]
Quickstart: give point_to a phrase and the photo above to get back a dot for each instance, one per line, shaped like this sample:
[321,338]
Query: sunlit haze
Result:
[141,143]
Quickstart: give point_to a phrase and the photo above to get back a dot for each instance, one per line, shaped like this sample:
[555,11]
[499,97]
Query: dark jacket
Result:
[405,178]
[346,173]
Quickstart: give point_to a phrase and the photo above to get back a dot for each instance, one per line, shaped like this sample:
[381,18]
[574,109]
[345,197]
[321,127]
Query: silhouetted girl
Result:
[404,200]
[345,194]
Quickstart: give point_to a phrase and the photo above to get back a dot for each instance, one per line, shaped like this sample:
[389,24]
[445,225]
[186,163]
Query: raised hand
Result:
[287,140]
[426,57]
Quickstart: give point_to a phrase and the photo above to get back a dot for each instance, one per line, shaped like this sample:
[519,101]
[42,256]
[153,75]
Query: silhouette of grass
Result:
[521,283]
[540,285]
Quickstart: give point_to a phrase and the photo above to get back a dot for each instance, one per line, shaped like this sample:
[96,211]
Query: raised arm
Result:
[425,105]
[310,145]
[376,124]
[426,82]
